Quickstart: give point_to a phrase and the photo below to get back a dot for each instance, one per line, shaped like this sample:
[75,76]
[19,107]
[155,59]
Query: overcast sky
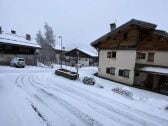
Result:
[79,21]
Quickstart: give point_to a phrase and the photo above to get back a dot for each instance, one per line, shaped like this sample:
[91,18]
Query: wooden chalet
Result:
[127,51]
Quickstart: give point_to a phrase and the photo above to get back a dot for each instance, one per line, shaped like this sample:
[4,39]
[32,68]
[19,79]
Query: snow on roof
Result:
[154,69]
[88,52]
[57,47]
[18,40]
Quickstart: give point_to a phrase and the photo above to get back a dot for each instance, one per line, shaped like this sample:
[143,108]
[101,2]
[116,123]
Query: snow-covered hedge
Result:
[123,91]
[42,65]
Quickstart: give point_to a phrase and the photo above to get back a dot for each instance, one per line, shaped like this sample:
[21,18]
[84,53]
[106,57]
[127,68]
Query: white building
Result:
[81,56]
[136,53]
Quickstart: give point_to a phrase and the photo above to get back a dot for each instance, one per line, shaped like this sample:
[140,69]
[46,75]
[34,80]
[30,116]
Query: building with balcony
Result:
[136,54]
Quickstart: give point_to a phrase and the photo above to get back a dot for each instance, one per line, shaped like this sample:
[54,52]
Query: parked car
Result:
[18,62]
[89,80]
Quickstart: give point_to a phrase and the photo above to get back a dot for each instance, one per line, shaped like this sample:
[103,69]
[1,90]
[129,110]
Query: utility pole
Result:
[77,63]
[61,49]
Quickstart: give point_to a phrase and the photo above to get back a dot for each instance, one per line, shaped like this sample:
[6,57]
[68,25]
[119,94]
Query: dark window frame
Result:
[141,55]
[110,70]
[108,54]
[122,73]
[151,59]
[112,54]
[125,36]
[107,70]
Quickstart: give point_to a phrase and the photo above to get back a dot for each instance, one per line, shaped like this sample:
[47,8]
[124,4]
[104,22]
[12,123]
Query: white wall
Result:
[57,56]
[84,61]
[125,59]
[160,58]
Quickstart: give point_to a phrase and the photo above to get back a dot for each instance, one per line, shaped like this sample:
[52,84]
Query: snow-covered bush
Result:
[42,65]
[123,91]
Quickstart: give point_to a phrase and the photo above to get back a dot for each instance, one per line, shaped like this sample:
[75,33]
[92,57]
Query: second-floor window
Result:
[111,54]
[151,56]
[125,36]
[141,55]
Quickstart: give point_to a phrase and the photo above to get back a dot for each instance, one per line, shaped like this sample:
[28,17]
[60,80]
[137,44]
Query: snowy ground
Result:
[35,96]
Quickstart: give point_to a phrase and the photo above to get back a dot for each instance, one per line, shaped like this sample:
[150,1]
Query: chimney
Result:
[28,37]
[112,26]
[13,32]
[0,30]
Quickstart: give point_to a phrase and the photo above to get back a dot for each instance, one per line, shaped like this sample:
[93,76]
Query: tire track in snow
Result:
[114,109]
[81,116]
[86,119]
[108,115]
[21,80]
[56,112]
[118,104]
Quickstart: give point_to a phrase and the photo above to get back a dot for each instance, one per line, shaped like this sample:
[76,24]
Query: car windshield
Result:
[21,59]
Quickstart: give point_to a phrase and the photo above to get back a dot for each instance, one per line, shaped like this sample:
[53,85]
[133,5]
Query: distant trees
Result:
[47,42]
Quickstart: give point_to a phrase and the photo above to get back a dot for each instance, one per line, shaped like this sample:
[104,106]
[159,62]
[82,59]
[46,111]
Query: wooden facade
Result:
[137,45]
[14,49]
[9,51]
[134,36]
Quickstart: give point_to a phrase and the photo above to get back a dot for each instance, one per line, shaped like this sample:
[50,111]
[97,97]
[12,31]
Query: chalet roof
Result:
[131,22]
[14,39]
[86,52]
[57,47]
[161,32]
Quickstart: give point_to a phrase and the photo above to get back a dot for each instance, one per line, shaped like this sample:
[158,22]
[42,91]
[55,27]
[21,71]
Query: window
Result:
[125,36]
[85,59]
[110,70]
[108,54]
[121,72]
[124,73]
[151,57]
[141,55]
[13,32]
[111,54]
[28,37]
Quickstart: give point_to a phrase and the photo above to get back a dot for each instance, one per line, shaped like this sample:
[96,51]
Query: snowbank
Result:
[125,91]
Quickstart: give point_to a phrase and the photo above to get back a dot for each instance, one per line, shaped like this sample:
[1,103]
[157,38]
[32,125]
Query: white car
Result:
[18,62]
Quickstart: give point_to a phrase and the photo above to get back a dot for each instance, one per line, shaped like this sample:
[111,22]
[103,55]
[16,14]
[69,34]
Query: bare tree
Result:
[47,42]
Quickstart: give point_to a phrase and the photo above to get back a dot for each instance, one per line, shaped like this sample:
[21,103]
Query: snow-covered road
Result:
[36,96]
